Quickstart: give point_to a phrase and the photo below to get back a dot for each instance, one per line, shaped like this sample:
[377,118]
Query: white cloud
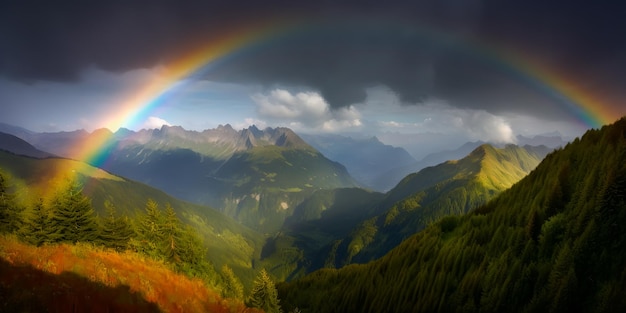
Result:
[305,111]
[481,125]
[154,122]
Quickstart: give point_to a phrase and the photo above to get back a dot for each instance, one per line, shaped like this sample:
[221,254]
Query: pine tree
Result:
[149,230]
[232,286]
[116,231]
[38,227]
[74,215]
[264,295]
[171,236]
[9,210]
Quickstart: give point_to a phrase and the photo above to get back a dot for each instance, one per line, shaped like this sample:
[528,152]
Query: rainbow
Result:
[583,105]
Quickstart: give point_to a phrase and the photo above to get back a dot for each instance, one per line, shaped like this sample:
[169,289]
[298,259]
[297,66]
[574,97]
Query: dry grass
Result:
[151,280]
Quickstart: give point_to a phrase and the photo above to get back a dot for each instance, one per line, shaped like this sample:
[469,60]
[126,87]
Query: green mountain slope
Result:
[421,198]
[262,186]
[227,241]
[315,224]
[554,242]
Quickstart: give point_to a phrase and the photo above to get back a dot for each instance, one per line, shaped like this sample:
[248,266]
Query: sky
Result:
[413,73]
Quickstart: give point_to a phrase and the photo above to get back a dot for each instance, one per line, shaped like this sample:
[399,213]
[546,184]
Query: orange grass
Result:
[153,280]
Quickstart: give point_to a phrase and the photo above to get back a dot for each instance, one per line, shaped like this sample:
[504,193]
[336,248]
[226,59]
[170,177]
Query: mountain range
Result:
[255,176]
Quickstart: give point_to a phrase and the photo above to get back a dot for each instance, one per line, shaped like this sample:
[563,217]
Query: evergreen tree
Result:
[171,236]
[264,295]
[232,287]
[38,227]
[115,231]
[9,211]
[74,215]
[149,230]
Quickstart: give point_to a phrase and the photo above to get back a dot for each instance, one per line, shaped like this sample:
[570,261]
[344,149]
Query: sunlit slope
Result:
[452,187]
[82,278]
[228,242]
[554,242]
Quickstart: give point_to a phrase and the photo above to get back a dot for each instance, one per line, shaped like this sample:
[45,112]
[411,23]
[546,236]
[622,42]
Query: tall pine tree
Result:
[171,236]
[232,287]
[9,210]
[38,227]
[264,295]
[116,231]
[149,230]
[74,215]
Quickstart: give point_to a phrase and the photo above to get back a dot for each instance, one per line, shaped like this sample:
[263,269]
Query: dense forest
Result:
[554,242]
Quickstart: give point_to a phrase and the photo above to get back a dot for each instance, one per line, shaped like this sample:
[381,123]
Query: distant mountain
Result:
[227,241]
[256,176]
[554,242]
[15,130]
[549,140]
[365,159]
[394,175]
[18,146]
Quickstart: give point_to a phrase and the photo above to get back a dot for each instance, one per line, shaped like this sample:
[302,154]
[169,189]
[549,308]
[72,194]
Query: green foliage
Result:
[554,242]
[232,287]
[422,198]
[38,227]
[9,208]
[115,231]
[264,295]
[73,214]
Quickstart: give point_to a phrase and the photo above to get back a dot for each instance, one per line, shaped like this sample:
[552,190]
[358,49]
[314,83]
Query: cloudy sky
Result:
[442,71]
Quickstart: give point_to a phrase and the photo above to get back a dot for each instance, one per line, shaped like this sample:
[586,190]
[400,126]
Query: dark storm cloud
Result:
[348,54]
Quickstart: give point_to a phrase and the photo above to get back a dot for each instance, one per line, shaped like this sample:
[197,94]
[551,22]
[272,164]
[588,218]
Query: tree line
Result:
[69,217]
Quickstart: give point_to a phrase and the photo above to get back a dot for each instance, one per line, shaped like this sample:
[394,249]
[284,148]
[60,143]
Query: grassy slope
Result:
[554,242]
[61,278]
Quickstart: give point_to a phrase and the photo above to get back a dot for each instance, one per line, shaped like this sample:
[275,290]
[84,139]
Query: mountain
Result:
[227,241]
[553,242]
[365,159]
[255,176]
[421,198]
[393,176]
[18,146]
[334,228]
[554,140]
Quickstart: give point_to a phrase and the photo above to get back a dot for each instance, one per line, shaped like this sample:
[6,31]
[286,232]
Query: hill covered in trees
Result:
[338,227]
[554,242]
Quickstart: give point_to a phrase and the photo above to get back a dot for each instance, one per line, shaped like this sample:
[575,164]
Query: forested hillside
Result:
[554,242]
[421,198]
